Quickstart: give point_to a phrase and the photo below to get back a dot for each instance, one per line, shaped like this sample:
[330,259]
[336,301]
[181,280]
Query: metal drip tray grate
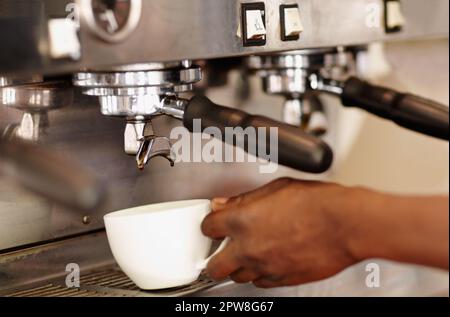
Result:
[110,282]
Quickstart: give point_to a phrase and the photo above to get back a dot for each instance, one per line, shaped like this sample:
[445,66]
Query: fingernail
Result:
[221,200]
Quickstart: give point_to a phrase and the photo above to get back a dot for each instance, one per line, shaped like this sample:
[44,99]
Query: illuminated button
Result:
[256,29]
[291,23]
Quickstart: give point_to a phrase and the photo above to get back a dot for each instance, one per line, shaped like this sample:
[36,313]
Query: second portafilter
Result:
[287,74]
[299,74]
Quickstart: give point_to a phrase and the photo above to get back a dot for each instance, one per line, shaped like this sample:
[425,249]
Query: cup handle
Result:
[203,264]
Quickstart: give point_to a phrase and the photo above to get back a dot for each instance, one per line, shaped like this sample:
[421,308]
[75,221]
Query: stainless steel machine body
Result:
[157,37]
[202,29]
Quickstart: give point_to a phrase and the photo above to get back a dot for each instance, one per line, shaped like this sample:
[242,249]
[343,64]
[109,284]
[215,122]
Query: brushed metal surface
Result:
[201,29]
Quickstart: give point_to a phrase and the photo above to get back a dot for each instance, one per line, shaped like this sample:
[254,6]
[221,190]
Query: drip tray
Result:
[107,282]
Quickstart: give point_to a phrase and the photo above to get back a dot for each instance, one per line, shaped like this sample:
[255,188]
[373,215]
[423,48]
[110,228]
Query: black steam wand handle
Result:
[296,149]
[409,111]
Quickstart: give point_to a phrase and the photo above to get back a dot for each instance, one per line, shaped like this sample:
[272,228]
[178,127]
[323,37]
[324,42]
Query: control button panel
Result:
[254,24]
[394,18]
[291,23]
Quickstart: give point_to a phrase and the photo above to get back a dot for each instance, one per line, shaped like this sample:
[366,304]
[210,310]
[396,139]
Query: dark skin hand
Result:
[291,232]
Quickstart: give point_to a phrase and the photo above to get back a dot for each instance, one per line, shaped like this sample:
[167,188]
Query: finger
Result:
[223,203]
[270,282]
[244,276]
[215,225]
[223,264]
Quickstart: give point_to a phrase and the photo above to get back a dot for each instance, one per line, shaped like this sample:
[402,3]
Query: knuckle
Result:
[239,278]
[237,199]
[236,221]
[247,258]
[256,262]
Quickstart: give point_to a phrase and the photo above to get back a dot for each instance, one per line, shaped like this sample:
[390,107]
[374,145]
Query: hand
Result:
[285,233]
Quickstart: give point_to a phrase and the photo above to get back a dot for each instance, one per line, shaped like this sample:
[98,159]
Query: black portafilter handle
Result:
[409,111]
[296,149]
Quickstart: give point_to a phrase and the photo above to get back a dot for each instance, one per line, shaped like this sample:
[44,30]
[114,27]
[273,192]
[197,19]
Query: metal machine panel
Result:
[202,29]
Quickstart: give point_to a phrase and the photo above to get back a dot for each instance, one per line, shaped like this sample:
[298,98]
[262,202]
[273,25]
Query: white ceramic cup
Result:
[161,246]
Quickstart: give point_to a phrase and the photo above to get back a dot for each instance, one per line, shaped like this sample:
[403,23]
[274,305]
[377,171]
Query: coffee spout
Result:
[152,147]
[141,141]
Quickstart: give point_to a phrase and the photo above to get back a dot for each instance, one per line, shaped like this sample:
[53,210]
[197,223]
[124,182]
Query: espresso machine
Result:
[90,90]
